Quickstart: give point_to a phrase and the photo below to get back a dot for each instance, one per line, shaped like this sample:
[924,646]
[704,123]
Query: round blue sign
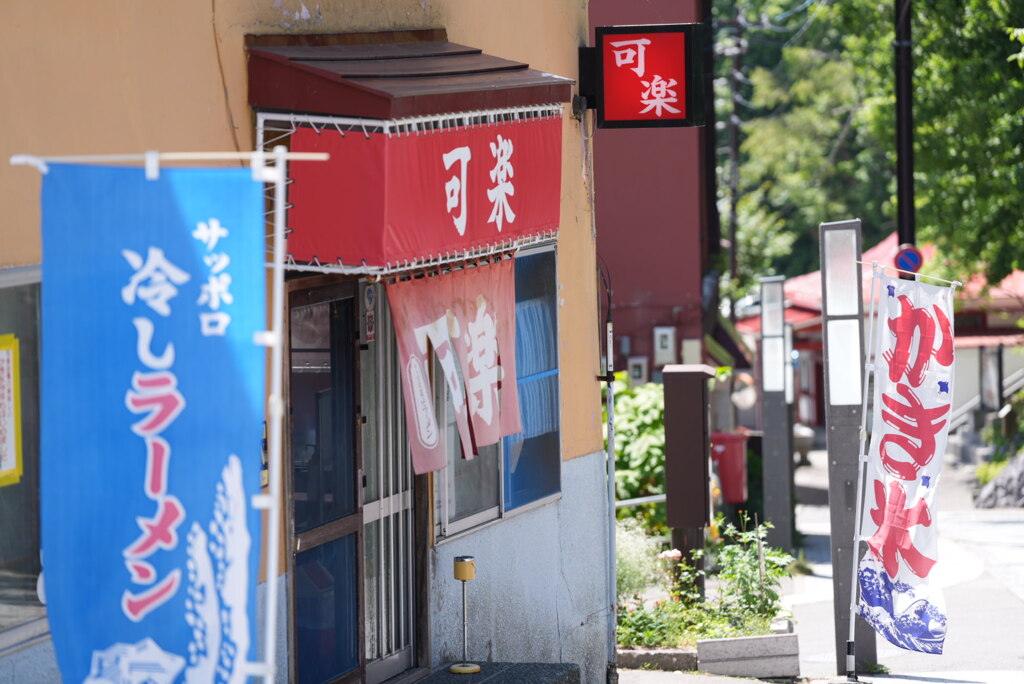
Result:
[909,258]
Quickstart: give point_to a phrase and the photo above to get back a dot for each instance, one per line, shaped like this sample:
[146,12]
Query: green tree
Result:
[805,157]
[806,113]
[968,121]
[793,153]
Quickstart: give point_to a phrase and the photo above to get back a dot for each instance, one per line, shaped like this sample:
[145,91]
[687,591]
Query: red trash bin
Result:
[729,451]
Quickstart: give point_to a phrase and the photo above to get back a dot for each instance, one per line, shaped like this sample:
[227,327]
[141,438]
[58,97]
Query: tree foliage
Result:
[815,110]
[969,122]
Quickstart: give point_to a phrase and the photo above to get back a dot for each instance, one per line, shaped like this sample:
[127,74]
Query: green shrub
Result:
[636,559]
[746,601]
[672,624]
[1006,438]
[680,621]
[750,570]
[640,450]
[988,470]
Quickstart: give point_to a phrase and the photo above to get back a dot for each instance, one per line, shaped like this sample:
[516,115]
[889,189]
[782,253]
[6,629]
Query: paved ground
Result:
[981,568]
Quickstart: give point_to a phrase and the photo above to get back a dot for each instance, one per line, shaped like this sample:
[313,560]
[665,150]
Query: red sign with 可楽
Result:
[387,199]
[646,76]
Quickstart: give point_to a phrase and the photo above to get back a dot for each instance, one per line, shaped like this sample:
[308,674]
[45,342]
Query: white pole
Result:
[862,458]
[161,156]
[610,399]
[275,408]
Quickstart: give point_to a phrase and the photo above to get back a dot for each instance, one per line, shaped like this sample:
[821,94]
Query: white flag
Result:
[913,397]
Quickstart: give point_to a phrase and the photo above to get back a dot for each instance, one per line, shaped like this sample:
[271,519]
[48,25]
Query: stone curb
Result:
[769,656]
[669,659]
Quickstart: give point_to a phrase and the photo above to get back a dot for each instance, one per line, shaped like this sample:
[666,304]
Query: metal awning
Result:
[390,80]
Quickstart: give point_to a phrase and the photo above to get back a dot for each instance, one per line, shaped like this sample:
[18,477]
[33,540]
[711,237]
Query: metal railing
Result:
[962,416]
[640,501]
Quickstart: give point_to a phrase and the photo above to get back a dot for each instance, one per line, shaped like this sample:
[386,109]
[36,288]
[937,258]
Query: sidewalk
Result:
[981,570]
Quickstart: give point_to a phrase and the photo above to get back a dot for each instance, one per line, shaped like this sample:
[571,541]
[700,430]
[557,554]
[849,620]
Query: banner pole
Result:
[276,409]
[152,156]
[918,275]
[869,368]
[610,464]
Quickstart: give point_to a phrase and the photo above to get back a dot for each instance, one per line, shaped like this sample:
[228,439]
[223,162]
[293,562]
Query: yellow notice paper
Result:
[10,411]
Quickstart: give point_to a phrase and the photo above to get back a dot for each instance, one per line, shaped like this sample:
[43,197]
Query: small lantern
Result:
[465,570]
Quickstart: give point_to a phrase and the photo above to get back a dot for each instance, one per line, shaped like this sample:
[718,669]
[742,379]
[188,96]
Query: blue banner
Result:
[152,410]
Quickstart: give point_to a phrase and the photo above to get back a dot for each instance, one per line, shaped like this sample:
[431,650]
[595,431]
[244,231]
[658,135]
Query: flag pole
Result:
[862,459]
[918,276]
[256,157]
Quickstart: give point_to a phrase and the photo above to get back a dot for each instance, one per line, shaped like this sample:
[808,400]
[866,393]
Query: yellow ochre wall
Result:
[125,76]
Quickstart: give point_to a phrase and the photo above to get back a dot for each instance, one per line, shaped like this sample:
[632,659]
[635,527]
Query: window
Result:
[525,467]
[21,614]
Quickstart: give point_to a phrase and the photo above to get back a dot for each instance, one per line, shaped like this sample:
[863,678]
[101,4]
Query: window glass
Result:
[473,484]
[532,459]
[323,412]
[470,487]
[326,610]
[19,493]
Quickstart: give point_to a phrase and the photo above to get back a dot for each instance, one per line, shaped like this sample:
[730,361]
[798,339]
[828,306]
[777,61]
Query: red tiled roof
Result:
[805,290]
[1009,290]
[794,316]
[803,293]
[967,342]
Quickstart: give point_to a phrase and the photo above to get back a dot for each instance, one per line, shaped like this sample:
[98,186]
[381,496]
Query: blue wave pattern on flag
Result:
[917,624]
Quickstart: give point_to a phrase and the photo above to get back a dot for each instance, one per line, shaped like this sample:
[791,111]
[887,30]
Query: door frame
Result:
[322,289]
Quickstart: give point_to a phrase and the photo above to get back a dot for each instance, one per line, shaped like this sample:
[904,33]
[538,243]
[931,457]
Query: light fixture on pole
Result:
[778,456]
[842,324]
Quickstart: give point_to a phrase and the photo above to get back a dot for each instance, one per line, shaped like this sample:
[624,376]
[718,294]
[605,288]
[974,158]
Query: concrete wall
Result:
[541,590]
[966,377]
[35,663]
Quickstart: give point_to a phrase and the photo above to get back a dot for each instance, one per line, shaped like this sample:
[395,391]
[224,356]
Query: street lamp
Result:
[778,456]
[842,324]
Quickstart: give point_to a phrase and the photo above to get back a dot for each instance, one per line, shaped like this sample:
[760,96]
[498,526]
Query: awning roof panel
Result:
[373,51]
[394,80]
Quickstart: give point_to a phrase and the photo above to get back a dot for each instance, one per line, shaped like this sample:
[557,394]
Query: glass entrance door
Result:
[325,467]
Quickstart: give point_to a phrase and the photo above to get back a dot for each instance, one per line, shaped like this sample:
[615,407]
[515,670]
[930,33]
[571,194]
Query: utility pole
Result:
[904,125]
[714,229]
[735,69]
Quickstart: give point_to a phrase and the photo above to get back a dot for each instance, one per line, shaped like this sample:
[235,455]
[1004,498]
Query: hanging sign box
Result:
[648,76]
[389,198]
